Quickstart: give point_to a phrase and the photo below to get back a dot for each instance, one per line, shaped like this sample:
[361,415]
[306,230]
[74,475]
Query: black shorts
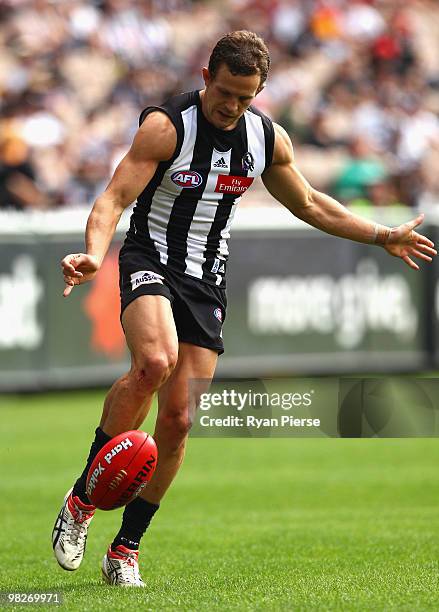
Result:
[199,308]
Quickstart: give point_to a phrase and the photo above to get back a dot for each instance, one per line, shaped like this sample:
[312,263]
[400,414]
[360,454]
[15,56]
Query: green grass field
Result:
[255,524]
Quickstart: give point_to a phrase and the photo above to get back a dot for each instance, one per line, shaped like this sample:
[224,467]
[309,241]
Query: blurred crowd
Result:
[354,82]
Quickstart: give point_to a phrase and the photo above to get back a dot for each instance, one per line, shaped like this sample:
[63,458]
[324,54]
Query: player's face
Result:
[227,96]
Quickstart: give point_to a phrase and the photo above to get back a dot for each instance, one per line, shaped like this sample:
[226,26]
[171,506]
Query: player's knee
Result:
[150,372]
[174,426]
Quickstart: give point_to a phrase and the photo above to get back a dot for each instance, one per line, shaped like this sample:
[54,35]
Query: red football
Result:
[121,469]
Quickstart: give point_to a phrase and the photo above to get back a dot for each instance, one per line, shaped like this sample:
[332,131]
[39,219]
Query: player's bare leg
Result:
[152,339]
[151,336]
[177,401]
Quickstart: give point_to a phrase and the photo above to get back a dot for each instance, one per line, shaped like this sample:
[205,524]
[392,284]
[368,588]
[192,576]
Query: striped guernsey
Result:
[183,216]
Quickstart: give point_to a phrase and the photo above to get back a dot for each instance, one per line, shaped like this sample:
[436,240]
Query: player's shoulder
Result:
[172,107]
[182,101]
[165,121]
[281,134]
[156,137]
[257,111]
[283,147]
[254,110]
[266,131]
[157,124]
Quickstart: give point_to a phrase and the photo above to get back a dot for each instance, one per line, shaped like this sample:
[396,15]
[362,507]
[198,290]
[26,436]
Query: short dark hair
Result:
[243,52]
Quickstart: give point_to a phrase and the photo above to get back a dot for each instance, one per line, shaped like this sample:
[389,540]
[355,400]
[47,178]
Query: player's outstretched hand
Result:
[78,268]
[404,242]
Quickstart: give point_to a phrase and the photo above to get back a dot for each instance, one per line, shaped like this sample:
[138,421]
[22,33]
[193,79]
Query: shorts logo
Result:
[145,277]
[187,178]
[218,314]
[233,184]
[248,162]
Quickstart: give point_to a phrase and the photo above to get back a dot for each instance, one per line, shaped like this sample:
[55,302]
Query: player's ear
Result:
[206,76]
[260,88]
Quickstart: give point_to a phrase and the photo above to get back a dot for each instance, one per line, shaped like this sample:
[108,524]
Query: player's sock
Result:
[101,438]
[136,519]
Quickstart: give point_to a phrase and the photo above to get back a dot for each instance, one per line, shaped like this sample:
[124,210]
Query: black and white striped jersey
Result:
[183,216]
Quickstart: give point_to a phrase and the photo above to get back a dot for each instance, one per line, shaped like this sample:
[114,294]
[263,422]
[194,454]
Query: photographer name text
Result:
[259,423]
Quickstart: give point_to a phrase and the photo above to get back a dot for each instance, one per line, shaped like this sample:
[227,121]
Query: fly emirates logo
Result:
[233,184]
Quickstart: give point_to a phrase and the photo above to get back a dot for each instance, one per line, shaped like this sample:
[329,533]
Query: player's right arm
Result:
[155,141]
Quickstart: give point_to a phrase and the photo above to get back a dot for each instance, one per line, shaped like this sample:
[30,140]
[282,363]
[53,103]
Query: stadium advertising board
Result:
[23,306]
[48,341]
[299,302]
[303,301]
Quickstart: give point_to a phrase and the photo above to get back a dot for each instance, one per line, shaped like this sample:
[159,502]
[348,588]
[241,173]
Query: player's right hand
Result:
[78,268]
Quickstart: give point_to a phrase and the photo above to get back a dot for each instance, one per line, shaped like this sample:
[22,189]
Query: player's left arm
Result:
[286,183]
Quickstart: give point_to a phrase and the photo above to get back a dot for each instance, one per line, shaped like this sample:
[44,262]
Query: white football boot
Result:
[120,567]
[69,535]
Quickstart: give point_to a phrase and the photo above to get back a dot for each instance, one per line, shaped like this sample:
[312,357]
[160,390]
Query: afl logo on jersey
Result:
[187,178]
